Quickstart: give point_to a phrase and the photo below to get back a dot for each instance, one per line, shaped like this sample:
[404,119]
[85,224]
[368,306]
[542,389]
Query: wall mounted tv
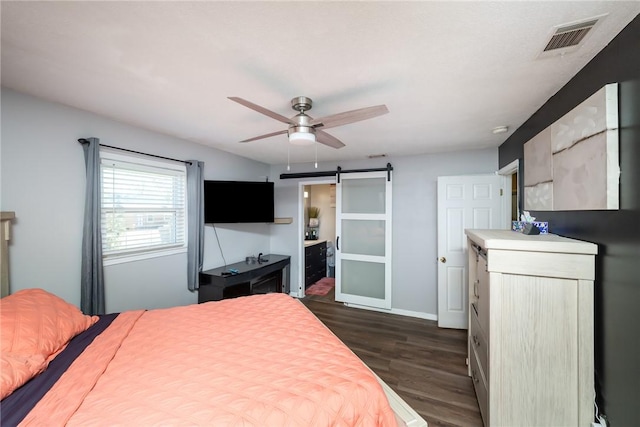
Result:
[237,202]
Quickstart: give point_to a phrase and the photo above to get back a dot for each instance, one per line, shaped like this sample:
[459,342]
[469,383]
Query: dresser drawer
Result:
[313,278]
[317,250]
[482,293]
[480,386]
[479,343]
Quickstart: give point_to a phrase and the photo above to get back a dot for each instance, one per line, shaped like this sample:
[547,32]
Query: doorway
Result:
[511,176]
[317,233]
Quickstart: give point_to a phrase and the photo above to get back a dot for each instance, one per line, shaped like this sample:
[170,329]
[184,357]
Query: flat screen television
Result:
[238,202]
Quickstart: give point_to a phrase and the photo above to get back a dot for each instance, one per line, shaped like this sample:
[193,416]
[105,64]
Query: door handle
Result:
[443,260]
[338,243]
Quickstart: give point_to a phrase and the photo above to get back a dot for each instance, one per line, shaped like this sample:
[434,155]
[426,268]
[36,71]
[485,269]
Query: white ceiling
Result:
[449,72]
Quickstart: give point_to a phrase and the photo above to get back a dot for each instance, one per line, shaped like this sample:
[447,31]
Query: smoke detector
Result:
[569,37]
[500,129]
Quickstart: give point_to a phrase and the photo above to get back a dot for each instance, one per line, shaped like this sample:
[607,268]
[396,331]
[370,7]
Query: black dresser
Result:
[315,262]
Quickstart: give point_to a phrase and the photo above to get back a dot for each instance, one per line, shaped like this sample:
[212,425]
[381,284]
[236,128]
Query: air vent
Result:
[570,35]
[376,156]
[566,38]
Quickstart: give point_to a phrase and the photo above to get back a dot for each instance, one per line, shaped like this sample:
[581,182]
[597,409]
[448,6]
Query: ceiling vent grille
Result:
[569,35]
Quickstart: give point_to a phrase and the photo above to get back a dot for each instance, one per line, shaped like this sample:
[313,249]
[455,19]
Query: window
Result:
[143,207]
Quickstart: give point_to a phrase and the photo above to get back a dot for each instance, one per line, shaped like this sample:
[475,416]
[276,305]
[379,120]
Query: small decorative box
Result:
[543,226]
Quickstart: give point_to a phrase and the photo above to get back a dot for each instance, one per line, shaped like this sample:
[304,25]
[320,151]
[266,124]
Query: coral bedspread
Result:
[262,360]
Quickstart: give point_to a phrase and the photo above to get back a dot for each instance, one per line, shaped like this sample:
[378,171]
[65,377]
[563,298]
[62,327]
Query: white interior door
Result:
[363,239]
[471,201]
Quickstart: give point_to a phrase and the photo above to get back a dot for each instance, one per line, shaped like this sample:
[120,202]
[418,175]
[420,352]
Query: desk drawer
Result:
[234,291]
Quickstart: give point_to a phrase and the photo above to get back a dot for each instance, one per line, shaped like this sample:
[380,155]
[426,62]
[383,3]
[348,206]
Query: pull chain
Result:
[316,154]
[288,157]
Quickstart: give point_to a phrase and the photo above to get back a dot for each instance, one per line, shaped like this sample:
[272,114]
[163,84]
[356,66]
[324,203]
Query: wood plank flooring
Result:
[424,364]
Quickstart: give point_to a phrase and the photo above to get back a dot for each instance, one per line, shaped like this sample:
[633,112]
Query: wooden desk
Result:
[272,275]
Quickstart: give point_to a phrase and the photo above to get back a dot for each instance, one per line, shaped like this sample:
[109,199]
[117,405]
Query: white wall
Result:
[414,219]
[43,179]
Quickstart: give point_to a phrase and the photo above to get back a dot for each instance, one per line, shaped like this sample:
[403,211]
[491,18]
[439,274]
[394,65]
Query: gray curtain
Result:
[92,280]
[195,221]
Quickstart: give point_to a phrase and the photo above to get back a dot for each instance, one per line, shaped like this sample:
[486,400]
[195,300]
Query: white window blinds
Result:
[143,205]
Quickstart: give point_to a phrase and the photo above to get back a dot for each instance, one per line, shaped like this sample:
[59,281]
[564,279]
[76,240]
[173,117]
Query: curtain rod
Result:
[81,140]
[337,172]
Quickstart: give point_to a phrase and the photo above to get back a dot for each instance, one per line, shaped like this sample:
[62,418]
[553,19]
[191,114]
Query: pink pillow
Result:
[35,322]
[16,370]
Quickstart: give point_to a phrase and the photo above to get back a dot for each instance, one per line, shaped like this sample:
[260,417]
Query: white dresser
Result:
[531,328]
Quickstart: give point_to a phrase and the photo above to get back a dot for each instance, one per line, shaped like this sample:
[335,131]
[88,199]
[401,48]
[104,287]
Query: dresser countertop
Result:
[308,243]
[512,240]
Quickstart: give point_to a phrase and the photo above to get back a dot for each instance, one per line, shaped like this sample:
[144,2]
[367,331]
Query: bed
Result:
[262,360]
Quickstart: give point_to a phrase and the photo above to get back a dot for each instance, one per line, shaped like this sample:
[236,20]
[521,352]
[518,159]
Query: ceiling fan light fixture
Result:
[302,138]
[303,129]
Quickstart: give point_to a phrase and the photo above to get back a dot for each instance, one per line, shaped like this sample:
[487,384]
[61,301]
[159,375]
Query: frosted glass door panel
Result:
[363,237]
[364,279]
[365,196]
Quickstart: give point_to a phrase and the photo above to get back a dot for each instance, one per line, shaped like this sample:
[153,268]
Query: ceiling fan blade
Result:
[326,139]
[349,117]
[268,135]
[262,110]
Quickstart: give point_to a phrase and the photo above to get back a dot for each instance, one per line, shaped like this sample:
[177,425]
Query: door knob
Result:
[443,259]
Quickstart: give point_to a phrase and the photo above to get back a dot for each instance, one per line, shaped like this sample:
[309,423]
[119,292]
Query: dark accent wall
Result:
[617,233]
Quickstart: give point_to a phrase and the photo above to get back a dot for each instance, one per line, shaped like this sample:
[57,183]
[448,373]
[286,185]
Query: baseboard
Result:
[398,311]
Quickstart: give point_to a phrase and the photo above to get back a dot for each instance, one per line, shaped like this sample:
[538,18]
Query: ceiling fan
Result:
[304,129]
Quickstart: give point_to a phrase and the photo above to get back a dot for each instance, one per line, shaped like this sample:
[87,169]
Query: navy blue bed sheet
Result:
[18,404]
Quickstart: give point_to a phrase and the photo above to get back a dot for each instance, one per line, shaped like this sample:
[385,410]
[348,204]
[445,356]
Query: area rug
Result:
[321,287]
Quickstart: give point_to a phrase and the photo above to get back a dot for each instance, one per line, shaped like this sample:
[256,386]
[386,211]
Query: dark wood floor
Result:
[424,364]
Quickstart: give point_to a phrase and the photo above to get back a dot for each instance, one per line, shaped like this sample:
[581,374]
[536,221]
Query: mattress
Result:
[262,360]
